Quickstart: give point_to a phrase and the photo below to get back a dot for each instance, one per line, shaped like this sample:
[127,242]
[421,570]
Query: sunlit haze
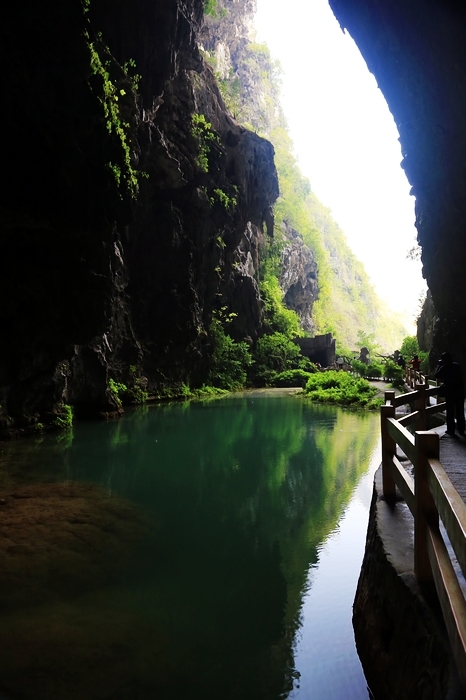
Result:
[346,142]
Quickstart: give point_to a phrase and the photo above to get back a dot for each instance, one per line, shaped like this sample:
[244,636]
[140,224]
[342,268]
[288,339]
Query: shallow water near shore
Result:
[196,550]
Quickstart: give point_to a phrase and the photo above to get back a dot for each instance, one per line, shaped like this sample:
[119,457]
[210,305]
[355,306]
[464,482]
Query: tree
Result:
[409,347]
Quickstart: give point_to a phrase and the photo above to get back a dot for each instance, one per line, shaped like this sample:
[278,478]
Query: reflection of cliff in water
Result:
[236,497]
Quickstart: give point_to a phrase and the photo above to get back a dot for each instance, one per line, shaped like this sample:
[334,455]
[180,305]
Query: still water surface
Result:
[199,550]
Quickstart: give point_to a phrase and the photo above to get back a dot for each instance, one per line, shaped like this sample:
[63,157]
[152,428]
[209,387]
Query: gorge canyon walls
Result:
[134,205]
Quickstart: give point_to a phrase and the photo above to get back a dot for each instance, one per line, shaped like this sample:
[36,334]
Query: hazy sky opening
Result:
[346,142]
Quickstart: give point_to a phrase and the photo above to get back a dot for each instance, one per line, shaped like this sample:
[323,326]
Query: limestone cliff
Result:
[244,71]
[426,324]
[298,277]
[126,221]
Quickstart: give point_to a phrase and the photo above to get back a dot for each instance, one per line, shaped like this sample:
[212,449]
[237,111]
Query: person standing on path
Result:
[450,374]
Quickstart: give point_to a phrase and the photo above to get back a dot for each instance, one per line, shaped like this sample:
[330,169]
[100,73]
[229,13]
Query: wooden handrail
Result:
[408,418]
[451,599]
[413,377]
[451,508]
[402,437]
[430,497]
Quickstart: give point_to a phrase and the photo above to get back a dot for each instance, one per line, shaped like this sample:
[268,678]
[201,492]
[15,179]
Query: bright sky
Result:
[346,142]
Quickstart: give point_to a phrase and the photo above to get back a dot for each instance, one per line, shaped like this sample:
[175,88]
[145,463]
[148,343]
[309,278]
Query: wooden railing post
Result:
[427,445]
[408,375]
[388,450]
[421,406]
[390,397]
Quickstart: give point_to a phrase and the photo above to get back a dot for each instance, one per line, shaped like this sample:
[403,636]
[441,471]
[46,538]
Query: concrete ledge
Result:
[399,633]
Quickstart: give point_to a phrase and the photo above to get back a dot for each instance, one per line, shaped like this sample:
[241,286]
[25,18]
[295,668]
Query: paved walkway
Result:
[453,459]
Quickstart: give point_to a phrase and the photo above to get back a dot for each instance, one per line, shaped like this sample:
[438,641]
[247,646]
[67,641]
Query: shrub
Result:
[211,8]
[205,137]
[209,392]
[118,390]
[65,418]
[230,360]
[276,352]
[290,378]
[359,367]
[374,370]
[394,372]
[137,388]
[341,388]
[277,318]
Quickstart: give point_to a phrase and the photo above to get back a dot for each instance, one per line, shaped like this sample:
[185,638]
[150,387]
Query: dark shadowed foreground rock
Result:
[133,211]
[417,53]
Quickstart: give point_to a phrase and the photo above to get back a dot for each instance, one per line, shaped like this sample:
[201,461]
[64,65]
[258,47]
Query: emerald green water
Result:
[198,550]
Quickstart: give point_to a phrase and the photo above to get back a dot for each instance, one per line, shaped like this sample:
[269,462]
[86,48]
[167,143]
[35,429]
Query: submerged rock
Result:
[58,541]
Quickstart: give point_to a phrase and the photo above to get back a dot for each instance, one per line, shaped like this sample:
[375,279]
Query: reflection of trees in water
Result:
[265,483]
[244,492]
[335,454]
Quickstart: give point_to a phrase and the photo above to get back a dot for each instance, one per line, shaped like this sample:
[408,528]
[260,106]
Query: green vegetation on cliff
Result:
[114,84]
[347,302]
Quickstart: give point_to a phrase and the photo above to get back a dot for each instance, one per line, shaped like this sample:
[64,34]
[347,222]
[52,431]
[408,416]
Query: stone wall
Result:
[319,349]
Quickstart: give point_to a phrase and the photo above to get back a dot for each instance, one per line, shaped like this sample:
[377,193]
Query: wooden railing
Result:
[429,496]
[413,377]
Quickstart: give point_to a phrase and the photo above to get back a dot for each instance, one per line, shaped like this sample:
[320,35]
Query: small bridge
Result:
[435,496]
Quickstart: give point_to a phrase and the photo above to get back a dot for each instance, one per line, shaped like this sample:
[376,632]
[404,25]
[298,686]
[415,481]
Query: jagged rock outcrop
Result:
[124,227]
[298,277]
[417,52]
[426,326]
[244,69]
[227,39]
[226,32]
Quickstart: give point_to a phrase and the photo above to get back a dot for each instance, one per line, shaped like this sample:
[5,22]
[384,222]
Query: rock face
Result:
[298,277]
[227,38]
[125,224]
[227,31]
[228,42]
[417,52]
[426,326]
